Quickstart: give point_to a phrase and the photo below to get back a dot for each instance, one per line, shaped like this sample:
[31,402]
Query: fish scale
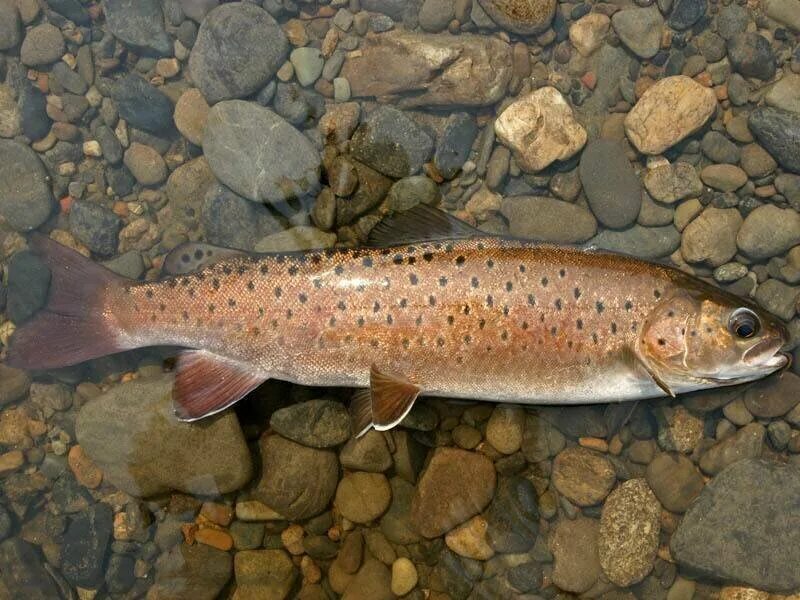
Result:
[481,318]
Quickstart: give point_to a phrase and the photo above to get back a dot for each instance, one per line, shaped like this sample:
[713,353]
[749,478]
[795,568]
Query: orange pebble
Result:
[722,92]
[704,79]
[220,514]
[120,209]
[85,471]
[216,538]
[594,443]
[66,204]
[189,531]
[589,79]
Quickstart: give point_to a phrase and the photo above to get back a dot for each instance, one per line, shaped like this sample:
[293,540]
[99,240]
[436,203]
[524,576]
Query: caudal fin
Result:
[71,328]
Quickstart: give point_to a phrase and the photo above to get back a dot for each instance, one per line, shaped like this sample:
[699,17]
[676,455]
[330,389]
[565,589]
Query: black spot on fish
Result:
[506,310]
[316,259]
[579,324]
[544,281]
[376,307]
[184,282]
[634,326]
[613,328]
[427,257]
[153,317]
[406,343]
[693,333]
[302,298]
[661,341]
[332,321]
[558,303]
[360,321]
[490,263]
[241,269]
[289,313]
[226,270]
[671,314]
[341,305]
[366,262]
[339,269]
[460,260]
[280,259]
[600,307]
[251,286]
[562,273]
[278,292]
[524,325]
[467,339]
[481,246]
[509,286]
[553,330]
[398,259]
[292,270]
[489,301]
[474,282]
[531,300]
[211,308]
[418,320]
[442,281]
[413,279]
[450,319]
[440,341]
[569,344]
[274,323]
[432,300]
[522,268]
[466,309]
[149,293]
[172,283]
[481,323]
[185,315]
[215,283]
[577,293]
[595,339]
[263,269]
[260,311]
[231,302]
[317,282]
[403,302]
[162,307]
[389,319]
[373,342]
[657,294]
[504,335]
[412,260]
[628,305]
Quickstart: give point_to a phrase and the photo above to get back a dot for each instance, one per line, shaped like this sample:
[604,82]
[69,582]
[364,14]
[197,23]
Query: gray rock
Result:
[742,527]
[9,25]
[28,283]
[789,186]
[779,132]
[435,15]
[391,143]
[120,573]
[639,29]
[231,221]
[296,481]
[673,182]
[411,191]
[292,103]
[221,62]
[732,19]
[85,543]
[23,574]
[644,242]
[513,516]
[654,214]
[576,564]
[140,24]
[751,55]
[396,523]
[773,397]
[66,78]
[96,226]
[259,155]
[454,144]
[33,112]
[686,13]
[43,45]
[302,237]
[142,105]
[197,9]
[25,198]
[366,453]
[785,12]
[391,8]
[130,432]
[109,144]
[524,17]
[14,384]
[316,423]
[128,265]
[675,481]
[548,220]
[612,188]
[711,236]
[307,62]
[769,231]
[719,148]
[738,90]
[778,298]
[71,9]
[747,442]
[197,571]
[785,94]
[711,46]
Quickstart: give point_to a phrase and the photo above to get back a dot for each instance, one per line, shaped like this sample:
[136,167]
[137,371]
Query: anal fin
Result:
[206,384]
[384,404]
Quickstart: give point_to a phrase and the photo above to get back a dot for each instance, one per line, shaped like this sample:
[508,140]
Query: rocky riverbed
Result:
[666,129]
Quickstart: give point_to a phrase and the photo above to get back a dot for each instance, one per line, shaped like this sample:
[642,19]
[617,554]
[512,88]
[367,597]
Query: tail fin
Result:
[71,328]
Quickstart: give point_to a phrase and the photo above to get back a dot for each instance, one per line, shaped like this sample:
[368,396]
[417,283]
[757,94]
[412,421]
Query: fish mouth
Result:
[767,353]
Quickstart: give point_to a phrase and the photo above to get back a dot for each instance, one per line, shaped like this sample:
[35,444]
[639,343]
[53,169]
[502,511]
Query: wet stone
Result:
[363,497]
[768,231]
[785,93]
[643,242]
[583,476]
[85,544]
[611,185]
[316,423]
[639,29]
[751,55]
[263,574]
[778,131]
[686,13]
[524,17]
[33,116]
[547,219]
[366,453]
[740,528]
[25,198]
[672,182]
[711,236]
[10,33]
[396,523]
[139,24]
[23,574]
[454,144]
[745,443]
[675,481]
[774,396]
[732,19]
[142,105]
[28,283]
[576,563]
[719,148]
[43,45]
[513,516]
[411,191]
[197,571]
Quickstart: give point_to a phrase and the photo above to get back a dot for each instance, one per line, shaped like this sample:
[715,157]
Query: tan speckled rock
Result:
[145,164]
[521,16]
[588,33]
[629,529]
[711,237]
[583,476]
[672,109]
[191,114]
[540,128]
[469,539]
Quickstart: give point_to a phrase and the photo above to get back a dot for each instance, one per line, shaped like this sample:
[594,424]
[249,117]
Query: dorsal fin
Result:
[190,256]
[419,224]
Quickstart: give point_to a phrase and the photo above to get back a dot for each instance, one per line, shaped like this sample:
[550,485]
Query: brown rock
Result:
[576,564]
[469,539]
[11,461]
[433,69]
[583,476]
[85,471]
[725,178]
[145,164]
[711,236]
[540,128]
[191,114]
[524,17]
[746,443]
[675,481]
[362,497]
[773,397]
[588,33]
[216,538]
[456,486]
[670,110]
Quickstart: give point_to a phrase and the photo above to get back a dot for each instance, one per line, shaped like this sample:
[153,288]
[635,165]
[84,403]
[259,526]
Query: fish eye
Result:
[744,323]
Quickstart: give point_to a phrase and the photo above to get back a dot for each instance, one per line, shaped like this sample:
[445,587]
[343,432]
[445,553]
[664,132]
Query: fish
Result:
[430,306]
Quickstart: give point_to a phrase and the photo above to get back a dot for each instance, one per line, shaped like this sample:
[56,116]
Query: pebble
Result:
[259,155]
[778,298]
[785,93]
[612,188]
[711,236]
[264,574]
[191,115]
[456,485]
[729,532]
[513,516]
[363,497]
[197,571]
[675,481]
[778,131]
[454,144]
[756,161]
[784,11]
[142,105]
[576,562]
[669,111]
[629,533]
[435,15]
[747,442]
[540,128]
[33,113]
[588,33]
[640,29]
[644,242]
[719,149]
[505,428]
[672,182]
[85,471]
[145,164]
[524,17]
[95,226]
[316,423]
[768,231]
[396,523]
[391,143]
[216,538]
[404,576]
[411,191]
[9,25]
[547,219]
[232,34]
[732,19]
[751,55]
[139,24]
[469,539]
[111,428]
[298,238]
[25,198]
[307,63]
[773,397]
[583,476]
[341,89]
[373,581]
[85,543]
[43,45]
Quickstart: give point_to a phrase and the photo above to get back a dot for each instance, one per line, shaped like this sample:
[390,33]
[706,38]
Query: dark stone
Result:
[751,55]
[743,527]
[576,421]
[320,547]
[142,105]
[229,220]
[513,516]
[28,283]
[120,576]
[96,226]
[109,144]
[452,575]
[6,523]
[71,9]
[390,142]
[120,180]
[69,496]
[719,148]
[316,423]
[22,574]
[67,79]
[686,13]
[612,187]
[778,131]
[85,543]
[372,188]
[140,24]
[25,198]
[455,143]
[297,105]
[198,572]
[526,577]
[33,110]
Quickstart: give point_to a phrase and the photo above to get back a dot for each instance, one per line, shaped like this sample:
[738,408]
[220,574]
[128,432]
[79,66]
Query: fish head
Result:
[707,338]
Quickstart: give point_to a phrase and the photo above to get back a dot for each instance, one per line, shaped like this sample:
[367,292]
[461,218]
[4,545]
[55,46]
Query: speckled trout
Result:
[434,308]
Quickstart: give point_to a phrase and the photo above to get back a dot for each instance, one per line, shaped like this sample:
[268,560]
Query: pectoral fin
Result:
[636,361]
[206,384]
[386,402]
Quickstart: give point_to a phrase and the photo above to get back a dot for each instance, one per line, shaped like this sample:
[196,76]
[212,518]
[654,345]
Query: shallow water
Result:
[669,131]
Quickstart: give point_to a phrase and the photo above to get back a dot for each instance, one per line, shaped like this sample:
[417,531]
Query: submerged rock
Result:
[779,132]
[198,572]
[23,575]
[25,198]
[130,432]
[138,23]
[524,17]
